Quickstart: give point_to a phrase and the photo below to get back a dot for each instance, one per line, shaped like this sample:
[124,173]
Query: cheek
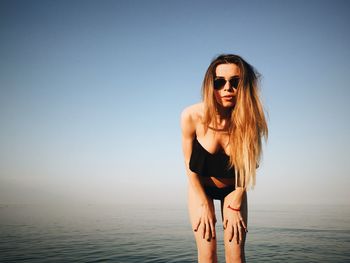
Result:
[217,96]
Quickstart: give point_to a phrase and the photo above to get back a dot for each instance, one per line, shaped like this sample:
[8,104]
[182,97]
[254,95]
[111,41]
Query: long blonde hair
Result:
[247,121]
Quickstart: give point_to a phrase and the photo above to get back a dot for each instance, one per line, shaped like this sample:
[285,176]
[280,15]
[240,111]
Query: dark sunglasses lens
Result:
[234,82]
[219,83]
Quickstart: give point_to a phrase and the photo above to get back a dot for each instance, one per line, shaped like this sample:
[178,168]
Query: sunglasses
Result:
[221,82]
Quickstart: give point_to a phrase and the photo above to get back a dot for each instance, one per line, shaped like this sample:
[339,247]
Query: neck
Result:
[223,116]
[223,113]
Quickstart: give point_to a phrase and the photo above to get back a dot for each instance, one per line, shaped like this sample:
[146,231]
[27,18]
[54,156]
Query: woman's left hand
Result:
[234,224]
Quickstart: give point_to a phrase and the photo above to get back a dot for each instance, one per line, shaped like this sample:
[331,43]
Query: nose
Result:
[228,87]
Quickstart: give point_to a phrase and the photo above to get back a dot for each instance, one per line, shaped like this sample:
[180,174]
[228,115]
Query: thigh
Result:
[234,250]
[205,248]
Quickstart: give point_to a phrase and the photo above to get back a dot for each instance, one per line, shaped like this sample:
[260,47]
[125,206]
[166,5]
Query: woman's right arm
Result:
[207,215]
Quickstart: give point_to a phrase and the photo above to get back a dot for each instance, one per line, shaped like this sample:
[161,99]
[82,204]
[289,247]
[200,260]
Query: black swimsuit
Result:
[207,164]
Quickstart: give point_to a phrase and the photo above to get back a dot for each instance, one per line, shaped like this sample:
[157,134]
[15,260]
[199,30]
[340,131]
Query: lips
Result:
[227,97]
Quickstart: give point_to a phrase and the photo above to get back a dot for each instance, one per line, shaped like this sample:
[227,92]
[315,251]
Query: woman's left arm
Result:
[233,219]
[236,197]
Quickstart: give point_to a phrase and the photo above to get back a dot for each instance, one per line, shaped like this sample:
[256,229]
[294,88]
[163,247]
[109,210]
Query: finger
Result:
[207,231]
[197,225]
[244,225]
[231,233]
[225,223]
[212,227]
[240,235]
[236,234]
[204,228]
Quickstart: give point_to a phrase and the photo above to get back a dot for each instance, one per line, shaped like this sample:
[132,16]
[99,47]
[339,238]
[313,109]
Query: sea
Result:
[162,233]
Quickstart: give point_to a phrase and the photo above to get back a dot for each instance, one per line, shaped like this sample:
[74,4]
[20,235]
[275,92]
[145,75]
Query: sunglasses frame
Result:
[234,81]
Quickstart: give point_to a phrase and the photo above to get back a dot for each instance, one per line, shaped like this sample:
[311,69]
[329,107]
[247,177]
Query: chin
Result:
[228,104]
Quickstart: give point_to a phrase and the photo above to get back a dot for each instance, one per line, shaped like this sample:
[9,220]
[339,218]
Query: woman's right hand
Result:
[206,221]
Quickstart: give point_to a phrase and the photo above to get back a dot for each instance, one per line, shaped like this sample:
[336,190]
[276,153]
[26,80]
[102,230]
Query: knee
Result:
[207,255]
[235,256]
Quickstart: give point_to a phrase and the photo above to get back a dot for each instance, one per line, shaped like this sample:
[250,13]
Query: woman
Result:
[221,140]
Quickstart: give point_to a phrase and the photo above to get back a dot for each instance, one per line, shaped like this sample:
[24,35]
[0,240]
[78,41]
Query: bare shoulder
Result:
[192,114]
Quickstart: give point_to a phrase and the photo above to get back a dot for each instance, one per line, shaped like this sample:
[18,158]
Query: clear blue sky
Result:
[91,93]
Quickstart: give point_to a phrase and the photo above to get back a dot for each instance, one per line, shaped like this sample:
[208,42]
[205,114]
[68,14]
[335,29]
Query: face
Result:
[226,96]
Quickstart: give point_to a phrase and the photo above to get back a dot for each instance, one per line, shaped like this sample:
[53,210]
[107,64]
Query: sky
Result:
[91,94]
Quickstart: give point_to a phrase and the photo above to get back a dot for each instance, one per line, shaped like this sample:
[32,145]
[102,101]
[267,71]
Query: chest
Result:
[213,141]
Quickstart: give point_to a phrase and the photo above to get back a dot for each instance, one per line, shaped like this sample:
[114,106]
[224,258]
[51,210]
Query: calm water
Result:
[163,234]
